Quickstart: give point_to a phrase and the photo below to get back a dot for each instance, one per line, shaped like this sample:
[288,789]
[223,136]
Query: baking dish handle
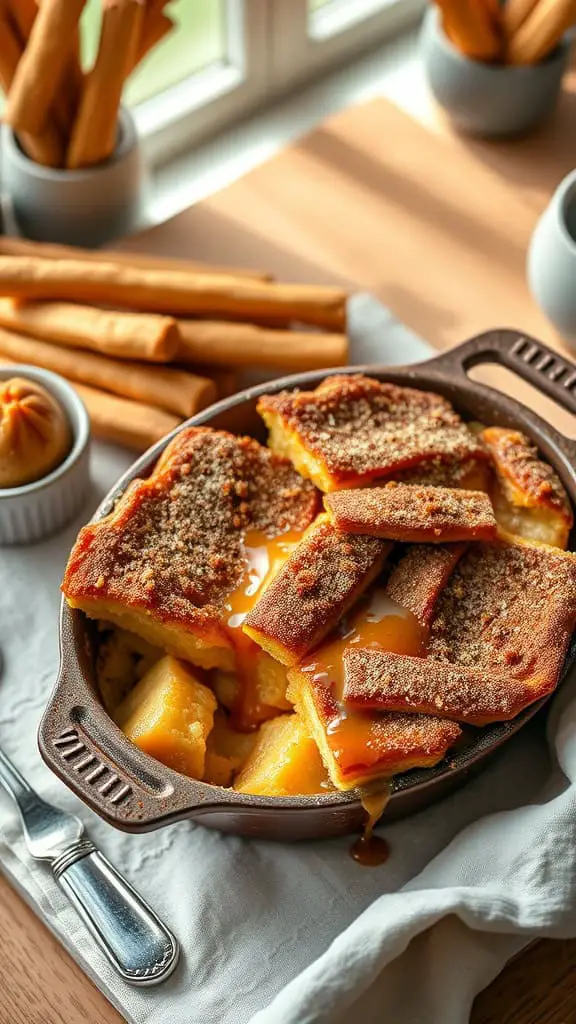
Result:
[533,361]
[126,787]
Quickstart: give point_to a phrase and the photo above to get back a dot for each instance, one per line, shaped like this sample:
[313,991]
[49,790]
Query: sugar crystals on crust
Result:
[353,429]
[164,562]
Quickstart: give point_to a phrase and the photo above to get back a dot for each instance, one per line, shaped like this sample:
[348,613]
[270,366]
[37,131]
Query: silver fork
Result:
[133,938]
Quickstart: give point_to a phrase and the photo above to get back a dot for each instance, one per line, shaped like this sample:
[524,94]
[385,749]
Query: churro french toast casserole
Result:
[336,608]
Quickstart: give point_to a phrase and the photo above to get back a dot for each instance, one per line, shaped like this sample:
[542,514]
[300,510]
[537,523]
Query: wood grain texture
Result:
[437,226]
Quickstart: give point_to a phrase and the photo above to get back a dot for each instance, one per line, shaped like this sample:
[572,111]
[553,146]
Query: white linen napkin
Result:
[300,933]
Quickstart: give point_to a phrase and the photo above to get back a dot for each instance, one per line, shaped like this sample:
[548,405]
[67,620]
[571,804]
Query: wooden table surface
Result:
[437,226]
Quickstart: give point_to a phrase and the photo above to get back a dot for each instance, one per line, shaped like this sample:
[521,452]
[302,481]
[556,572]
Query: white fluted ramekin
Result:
[35,510]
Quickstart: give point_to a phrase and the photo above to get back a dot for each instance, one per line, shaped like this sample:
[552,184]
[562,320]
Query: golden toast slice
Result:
[353,429]
[358,747]
[410,513]
[181,557]
[498,639]
[529,499]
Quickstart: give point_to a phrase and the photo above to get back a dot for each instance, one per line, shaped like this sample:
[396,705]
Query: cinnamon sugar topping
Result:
[407,512]
[358,428]
[508,606]
[173,545]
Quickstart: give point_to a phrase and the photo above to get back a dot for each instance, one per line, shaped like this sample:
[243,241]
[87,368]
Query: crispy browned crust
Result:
[365,745]
[508,606]
[525,479]
[420,576]
[381,681]
[319,582]
[407,512]
[473,474]
[354,429]
[165,560]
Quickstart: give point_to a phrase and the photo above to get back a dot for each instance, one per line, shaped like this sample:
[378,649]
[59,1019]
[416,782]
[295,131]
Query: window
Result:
[309,36]
[226,57]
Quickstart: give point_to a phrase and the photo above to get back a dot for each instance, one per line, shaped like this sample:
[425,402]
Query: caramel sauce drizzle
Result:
[378,622]
[370,850]
[263,558]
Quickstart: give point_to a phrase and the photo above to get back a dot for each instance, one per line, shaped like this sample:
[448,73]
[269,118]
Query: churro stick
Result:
[238,344]
[145,336]
[46,148]
[44,61]
[541,31]
[514,14]
[52,251]
[152,35]
[23,14]
[155,26]
[470,27]
[163,291]
[123,421]
[95,130]
[226,381]
[174,390]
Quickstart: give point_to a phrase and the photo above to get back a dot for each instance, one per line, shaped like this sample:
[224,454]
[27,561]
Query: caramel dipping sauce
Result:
[35,435]
[379,622]
[376,621]
[263,559]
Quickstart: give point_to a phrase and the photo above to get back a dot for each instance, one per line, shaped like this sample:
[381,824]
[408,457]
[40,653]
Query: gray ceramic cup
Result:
[89,206]
[489,100]
[552,260]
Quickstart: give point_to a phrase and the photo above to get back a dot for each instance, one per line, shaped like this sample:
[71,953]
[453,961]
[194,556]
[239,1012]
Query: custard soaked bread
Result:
[169,561]
[529,499]
[352,430]
[408,512]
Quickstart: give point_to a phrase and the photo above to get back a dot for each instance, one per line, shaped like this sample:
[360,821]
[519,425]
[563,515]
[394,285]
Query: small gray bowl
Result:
[552,260]
[88,206]
[489,100]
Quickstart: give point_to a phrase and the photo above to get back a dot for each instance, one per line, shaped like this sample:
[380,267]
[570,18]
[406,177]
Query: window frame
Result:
[270,52]
[300,51]
[203,103]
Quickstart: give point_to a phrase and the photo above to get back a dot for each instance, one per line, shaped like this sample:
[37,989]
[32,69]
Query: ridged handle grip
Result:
[549,372]
[140,947]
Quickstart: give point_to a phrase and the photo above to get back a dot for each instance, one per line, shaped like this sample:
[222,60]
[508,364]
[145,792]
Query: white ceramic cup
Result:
[552,260]
[35,510]
[88,206]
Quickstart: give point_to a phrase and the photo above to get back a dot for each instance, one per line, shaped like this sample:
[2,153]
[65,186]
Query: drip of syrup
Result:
[377,622]
[263,558]
[370,850]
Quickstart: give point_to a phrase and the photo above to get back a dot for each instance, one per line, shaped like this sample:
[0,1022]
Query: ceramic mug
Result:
[552,260]
[489,100]
[88,206]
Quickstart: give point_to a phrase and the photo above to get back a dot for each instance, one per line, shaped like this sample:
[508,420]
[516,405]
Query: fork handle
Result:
[140,947]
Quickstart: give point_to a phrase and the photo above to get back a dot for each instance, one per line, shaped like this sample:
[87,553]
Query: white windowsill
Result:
[393,72]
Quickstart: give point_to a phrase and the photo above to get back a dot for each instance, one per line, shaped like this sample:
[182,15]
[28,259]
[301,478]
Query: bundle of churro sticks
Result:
[513,32]
[62,116]
[149,341]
